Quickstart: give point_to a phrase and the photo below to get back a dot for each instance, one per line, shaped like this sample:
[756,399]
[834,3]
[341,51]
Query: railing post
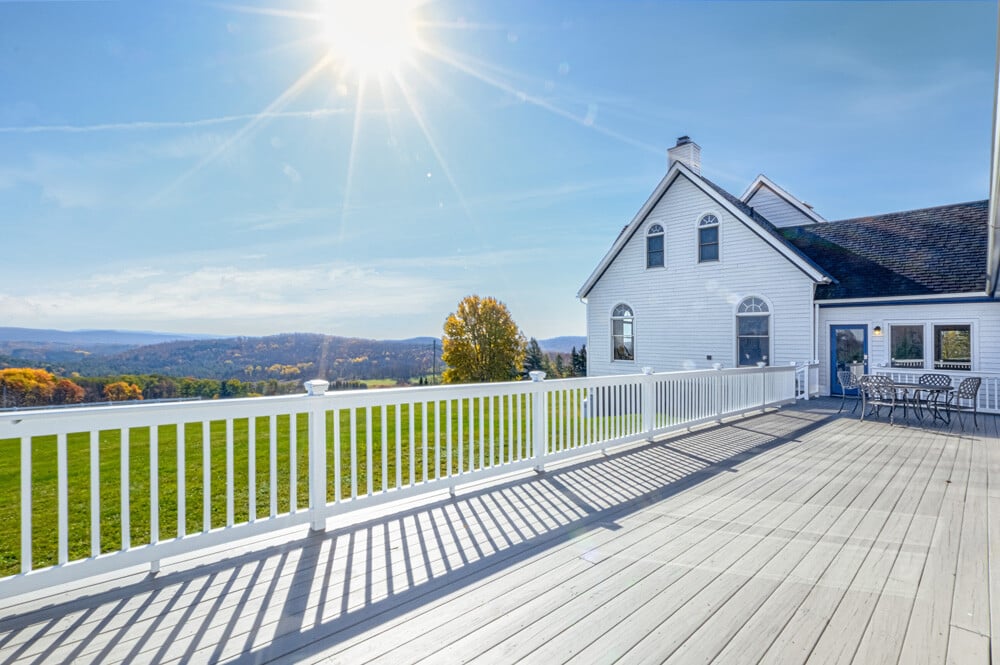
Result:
[718,391]
[763,386]
[648,408]
[539,419]
[317,456]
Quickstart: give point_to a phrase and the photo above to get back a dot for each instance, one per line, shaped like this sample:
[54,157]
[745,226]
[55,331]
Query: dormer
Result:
[778,206]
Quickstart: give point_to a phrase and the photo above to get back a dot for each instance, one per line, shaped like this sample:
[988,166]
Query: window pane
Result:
[953,347]
[907,346]
[753,325]
[752,350]
[654,251]
[708,244]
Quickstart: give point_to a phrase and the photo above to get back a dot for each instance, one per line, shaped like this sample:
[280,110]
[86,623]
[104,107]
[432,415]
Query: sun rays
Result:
[391,43]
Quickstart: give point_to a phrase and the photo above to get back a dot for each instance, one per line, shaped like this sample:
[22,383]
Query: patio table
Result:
[933,398]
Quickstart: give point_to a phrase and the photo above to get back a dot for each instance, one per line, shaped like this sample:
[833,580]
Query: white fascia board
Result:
[676,169]
[763,181]
[629,229]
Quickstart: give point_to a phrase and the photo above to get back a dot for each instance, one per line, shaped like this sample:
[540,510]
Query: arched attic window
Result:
[654,247]
[753,332]
[708,238]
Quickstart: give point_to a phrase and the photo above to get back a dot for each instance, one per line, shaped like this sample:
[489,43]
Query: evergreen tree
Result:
[560,368]
[534,359]
[580,362]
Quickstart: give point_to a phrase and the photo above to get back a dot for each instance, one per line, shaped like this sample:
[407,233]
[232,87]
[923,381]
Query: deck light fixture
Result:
[877,331]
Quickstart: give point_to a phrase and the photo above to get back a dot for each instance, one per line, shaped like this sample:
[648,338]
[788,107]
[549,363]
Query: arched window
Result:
[708,238]
[622,333]
[654,246]
[753,332]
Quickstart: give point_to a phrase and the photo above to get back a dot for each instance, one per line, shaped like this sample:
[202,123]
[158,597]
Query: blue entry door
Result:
[848,350]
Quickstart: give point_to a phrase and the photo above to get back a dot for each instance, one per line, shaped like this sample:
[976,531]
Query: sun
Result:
[371,37]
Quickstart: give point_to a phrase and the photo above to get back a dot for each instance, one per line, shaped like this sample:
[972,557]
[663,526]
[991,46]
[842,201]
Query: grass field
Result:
[44,485]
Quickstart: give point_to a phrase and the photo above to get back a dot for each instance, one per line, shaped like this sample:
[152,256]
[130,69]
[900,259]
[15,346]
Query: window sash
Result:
[622,339]
[906,346]
[708,244]
[654,251]
[953,347]
[753,340]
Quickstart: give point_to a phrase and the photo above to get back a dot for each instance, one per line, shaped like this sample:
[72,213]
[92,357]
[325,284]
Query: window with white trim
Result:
[708,238]
[953,347]
[753,332]
[906,346]
[622,333]
[654,247]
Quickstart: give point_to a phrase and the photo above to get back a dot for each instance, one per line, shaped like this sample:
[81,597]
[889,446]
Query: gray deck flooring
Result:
[789,537]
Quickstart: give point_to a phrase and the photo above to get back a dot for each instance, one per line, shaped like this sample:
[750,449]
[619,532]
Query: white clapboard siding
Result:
[983,317]
[685,311]
[778,211]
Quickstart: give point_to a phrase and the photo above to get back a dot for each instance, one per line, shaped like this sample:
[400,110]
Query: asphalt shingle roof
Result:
[916,252]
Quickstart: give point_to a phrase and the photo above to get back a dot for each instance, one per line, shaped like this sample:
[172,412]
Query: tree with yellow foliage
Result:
[481,343]
[122,391]
[26,386]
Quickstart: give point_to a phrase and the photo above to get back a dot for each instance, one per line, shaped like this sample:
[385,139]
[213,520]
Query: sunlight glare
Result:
[372,37]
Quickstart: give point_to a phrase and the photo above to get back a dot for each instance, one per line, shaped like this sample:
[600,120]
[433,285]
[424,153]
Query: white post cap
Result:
[537,375]
[317,387]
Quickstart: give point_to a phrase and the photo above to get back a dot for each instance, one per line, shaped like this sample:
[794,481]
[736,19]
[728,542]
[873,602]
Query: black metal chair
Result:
[935,381]
[967,390]
[877,391]
[848,380]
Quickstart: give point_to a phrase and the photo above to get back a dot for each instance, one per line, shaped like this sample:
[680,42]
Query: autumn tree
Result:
[481,342]
[26,386]
[120,391]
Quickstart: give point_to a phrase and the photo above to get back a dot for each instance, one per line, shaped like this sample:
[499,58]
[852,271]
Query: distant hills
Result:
[285,356]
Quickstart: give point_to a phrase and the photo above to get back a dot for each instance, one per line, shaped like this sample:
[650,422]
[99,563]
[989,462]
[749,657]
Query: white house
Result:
[700,277]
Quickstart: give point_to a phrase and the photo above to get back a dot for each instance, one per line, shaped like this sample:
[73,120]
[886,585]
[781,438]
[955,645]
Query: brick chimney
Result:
[687,152]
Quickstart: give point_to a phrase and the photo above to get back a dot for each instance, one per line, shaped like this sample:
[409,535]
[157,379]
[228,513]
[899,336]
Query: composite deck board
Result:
[800,535]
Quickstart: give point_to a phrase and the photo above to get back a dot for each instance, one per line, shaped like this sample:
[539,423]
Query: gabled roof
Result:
[763,181]
[930,251]
[740,210]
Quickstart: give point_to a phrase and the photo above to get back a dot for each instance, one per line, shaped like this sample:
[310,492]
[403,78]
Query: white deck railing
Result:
[989,391]
[106,487]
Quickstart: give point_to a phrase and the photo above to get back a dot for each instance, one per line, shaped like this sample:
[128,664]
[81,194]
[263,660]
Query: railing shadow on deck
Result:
[378,570]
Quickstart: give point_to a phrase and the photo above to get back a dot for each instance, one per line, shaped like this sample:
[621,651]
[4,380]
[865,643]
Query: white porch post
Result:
[539,419]
[317,455]
[648,402]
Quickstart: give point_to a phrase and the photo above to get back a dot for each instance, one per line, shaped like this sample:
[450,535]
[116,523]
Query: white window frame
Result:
[697,238]
[929,341]
[611,320]
[663,239]
[769,358]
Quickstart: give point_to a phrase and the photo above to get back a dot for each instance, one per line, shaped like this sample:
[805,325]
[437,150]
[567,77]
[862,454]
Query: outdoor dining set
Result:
[931,395]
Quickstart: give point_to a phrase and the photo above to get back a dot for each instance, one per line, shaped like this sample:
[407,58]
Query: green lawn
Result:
[44,487]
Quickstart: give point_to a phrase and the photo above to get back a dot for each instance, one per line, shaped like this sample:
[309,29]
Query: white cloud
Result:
[317,297]
[291,173]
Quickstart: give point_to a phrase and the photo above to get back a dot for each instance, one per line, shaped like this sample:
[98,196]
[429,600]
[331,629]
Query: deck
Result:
[793,536]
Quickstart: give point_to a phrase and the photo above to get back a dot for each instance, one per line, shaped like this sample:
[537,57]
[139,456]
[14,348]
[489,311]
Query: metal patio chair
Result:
[967,390]
[877,391]
[848,380]
[931,380]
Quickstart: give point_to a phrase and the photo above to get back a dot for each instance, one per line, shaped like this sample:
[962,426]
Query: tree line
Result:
[22,387]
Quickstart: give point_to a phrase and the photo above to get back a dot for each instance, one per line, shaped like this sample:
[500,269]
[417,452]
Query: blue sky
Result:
[230,169]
